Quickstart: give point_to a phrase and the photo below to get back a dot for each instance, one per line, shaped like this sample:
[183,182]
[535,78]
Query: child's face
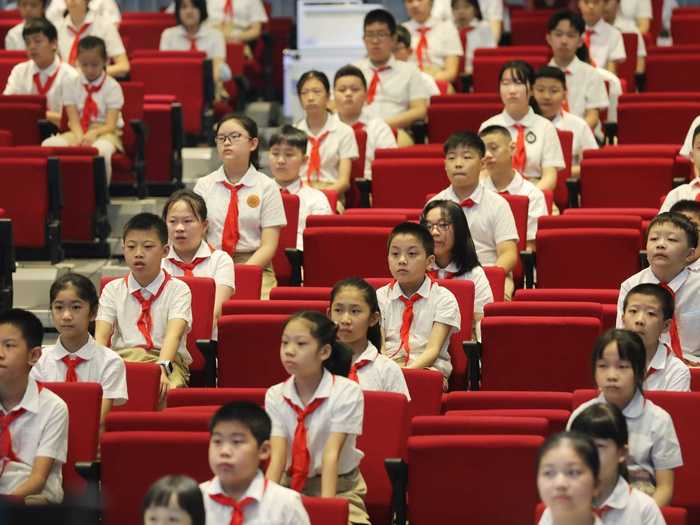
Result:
[463,165]
[611,457]
[379,42]
[30,9]
[189,14]
[591,10]
[667,248]
[564,40]
[234,455]
[173,514]
[72,5]
[40,49]
[91,63]
[549,94]
[300,352]
[442,230]
[499,153]
[645,317]
[610,10]
[352,314]
[402,52]
[285,162]
[514,94]
[16,358]
[463,13]
[615,377]
[185,230]
[71,315]
[350,95]
[418,10]
[143,252]
[233,142]
[408,260]
[313,96]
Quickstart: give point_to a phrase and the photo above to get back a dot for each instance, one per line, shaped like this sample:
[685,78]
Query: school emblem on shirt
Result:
[253,201]
[530,137]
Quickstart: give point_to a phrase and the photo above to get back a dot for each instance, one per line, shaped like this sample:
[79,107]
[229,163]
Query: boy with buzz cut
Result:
[418,315]
[287,154]
[239,492]
[147,314]
[691,190]
[691,211]
[33,420]
[28,10]
[671,243]
[604,42]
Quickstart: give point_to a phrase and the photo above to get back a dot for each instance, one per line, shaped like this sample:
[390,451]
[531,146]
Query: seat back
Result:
[646,214]
[193,397]
[633,119]
[7,62]
[143,385]
[300,293]
[497,280]
[672,72]
[602,296]
[352,196]
[589,220]
[519,206]
[25,121]
[626,69]
[284,307]
[487,69]
[144,33]
[544,308]
[425,387]
[203,297]
[248,282]
[446,119]
[39,100]
[132,110]
[417,151]
[380,220]
[287,239]
[329,511]
[463,291]
[694,379]
[528,27]
[404,183]
[488,400]
[561,191]
[455,425]
[166,421]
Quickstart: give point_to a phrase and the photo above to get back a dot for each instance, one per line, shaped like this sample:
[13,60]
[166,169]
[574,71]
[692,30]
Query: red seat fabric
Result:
[144,32]
[675,515]
[446,119]
[166,421]
[285,307]
[464,293]
[488,400]
[9,61]
[192,397]
[425,388]
[39,100]
[5,138]
[497,280]
[634,118]
[412,214]
[602,296]
[25,122]
[561,191]
[643,213]
[417,151]
[352,196]
[159,118]
[345,220]
[123,163]
[287,239]
[556,419]
[694,379]
[329,511]
[143,384]
[544,308]
[528,27]
[476,425]
[627,68]
[404,183]
[672,72]
[248,282]
[300,293]
[487,69]
[589,220]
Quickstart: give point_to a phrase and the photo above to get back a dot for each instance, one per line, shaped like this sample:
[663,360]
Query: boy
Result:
[350,92]
[44,74]
[611,14]
[147,314]
[28,9]
[691,190]
[502,178]
[404,53]
[648,311]
[418,315]
[33,420]
[603,41]
[239,492]
[489,216]
[671,243]
[691,211]
[287,154]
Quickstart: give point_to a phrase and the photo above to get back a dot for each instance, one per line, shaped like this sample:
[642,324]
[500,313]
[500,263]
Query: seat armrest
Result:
[472,349]
[574,187]
[89,470]
[419,131]
[296,259]
[528,259]
[466,81]
[209,349]
[365,187]
[397,470]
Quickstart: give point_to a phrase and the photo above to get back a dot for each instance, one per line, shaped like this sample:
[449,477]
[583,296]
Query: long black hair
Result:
[374,333]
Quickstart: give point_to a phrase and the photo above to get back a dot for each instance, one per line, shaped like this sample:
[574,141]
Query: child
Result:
[436,42]
[691,211]
[611,14]
[331,143]
[671,243]
[687,148]
[44,74]
[479,34]
[239,492]
[28,10]
[33,420]
[502,178]
[492,11]
[538,154]
[586,95]
[239,20]
[455,254]
[189,254]
[568,467]
[417,333]
[404,53]
[248,226]
[648,312]
[93,105]
[175,500]
[106,10]
[355,310]
[76,356]
[616,502]
[691,190]
[637,13]
[287,155]
[147,314]
[350,91]
[317,415]
[618,363]
[602,40]
[489,216]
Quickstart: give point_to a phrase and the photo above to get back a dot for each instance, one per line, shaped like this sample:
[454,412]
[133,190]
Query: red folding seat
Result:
[494,400]
[329,511]
[455,425]
[529,27]
[300,293]
[588,220]
[694,379]
[603,296]
[5,138]
[412,214]
[417,151]
[487,69]
[208,397]
[8,60]
[285,307]
[462,98]
[672,72]
[560,195]
[142,33]
[497,280]
[446,119]
[353,197]
[544,309]
[378,220]
[165,421]
[25,119]
[143,385]
[635,119]
[163,118]
[404,183]
[39,100]
[129,167]
[685,27]
[425,387]
[556,419]
[287,240]
[248,282]
[682,166]
[645,214]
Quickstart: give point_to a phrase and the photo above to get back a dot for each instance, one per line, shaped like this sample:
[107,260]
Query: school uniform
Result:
[584,88]
[107,10]
[441,41]
[625,25]
[271,503]
[629,506]
[687,191]
[236,16]
[14,41]
[311,202]
[606,43]
[377,372]
[631,10]
[653,444]
[98,364]
[542,147]
[694,266]
[93,25]
[207,39]
[688,142]
[490,9]
[342,411]
[479,36]
[666,372]
[41,431]
[436,305]
[430,84]
[546,518]
[583,135]
[379,135]
[121,308]
[259,206]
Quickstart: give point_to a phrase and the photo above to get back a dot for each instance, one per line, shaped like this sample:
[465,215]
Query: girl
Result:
[185,213]
[239,20]
[538,154]
[316,415]
[617,502]
[93,104]
[248,225]
[174,500]
[332,144]
[355,310]
[455,254]
[76,356]
[619,367]
[567,479]
[478,34]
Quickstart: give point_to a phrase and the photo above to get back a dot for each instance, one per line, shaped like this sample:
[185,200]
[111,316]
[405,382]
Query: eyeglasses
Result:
[442,226]
[231,137]
[380,35]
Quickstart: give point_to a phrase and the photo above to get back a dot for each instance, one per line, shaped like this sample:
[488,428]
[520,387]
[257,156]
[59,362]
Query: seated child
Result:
[687,148]
[239,20]
[648,312]
[320,404]
[416,332]
[355,309]
[93,104]
[691,211]
[239,492]
[603,41]
[403,52]
[478,33]
[490,10]
[287,155]
[174,499]
[106,10]
[690,190]
[147,314]
[33,420]
[28,9]
[611,14]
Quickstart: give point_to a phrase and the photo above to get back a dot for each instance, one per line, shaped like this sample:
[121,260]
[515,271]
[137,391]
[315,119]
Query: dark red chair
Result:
[672,72]
[404,183]
[287,240]
[377,220]
[353,197]
[561,191]
[685,27]
[602,296]
[529,27]
[451,425]
[285,307]
[417,151]
[165,421]
[494,400]
[446,119]
[634,118]
[695,379]
[25,122]
[544,308]
[248,282]
[628,67]
[497,280]
[206,397]
[331,511]
[144,32]
[143,385]
[8,60]
[5,138]
[129,167]
[300,293]
[425,387]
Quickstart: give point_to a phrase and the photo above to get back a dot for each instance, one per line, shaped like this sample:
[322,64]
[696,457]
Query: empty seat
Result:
[450,425]
[634,119]
[672,72]
[404,183]
[603,296]
[544,308]
[194,397]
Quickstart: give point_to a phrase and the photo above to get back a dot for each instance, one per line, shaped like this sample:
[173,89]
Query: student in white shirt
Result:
[327,405]
[611,14]
[691,210]
[107,10]
[403,52]
[28,9]
[692,132]
[638,12]
[174,499]
[689,190]
[491,11]
[602,40]
[478,32]
[538,155]
[239,20]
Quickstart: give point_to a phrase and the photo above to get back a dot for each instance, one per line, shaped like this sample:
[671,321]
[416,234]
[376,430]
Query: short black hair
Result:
[582,444]
[93,42]
[381,16]
[495,129]
[350,71]
[418,231]
[521,71]
[201,5]
[696,132]
[248,414]
[680,221]
[575,19]
[687,206]
[40,25]
[403,36]
[551,72]
[290,136]
[629,347]
[313,74]
[187,495]
[27,323]
[474,4]
[653,290]
[465,139]
[147,221]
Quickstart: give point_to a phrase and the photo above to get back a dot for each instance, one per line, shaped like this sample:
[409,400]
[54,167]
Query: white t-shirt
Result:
[208,40]
[14,41]
[107,10]
[380,373]
[482,288]
[490,9]
[379,135]
[688,191]
[21,81]
[110,96]
[311,202]
[583,135]
[245,12]
[606,44]
[442,38]
[107,31]
[631,10]
[585,88]
[629,26]
[688,142]
[479,36]
[629,506]
[666,372]
[216,264]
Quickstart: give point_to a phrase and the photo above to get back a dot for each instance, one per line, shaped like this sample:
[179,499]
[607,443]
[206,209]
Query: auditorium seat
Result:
[287,240]
[143,386]
[456,425]
[404,183]
[425,388]
[206,397]
[248,282]
[328,511]
[446,119]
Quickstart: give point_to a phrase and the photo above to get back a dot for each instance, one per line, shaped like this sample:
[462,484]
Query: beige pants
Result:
[404,139]
[181,372]
[269,281]
[509,287]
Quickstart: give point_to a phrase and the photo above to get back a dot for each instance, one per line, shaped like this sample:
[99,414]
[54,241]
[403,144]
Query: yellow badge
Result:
[253,201]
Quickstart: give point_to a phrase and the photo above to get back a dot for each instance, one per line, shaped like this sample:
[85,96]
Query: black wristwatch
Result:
[167,366]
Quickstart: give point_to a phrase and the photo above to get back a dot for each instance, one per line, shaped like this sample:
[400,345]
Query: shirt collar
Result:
[330,125]
[633,409]
[203,251]
[658,362]
[293,188]
[475,195]
[619,498]
[89,19]
[323,390]
[248,178]
[513,187]
[527,120]
[423,290]
[676,282]
[30,399]
[48,71]
[96,82]
[152,288]
[571,67]
[370,353]
[600,24]
[430,23]
[391,63]
[452,267]
[255,490]
[87,351]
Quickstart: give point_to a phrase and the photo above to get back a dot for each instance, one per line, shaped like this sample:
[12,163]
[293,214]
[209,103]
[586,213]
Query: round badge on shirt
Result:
[530,137]
[253,201]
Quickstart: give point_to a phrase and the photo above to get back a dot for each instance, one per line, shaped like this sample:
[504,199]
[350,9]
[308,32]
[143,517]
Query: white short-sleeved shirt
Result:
[42,431]
[438,305]
[633,9]
[442,37]
[98,27]
[537,206]
[583,135]
[208,40]
[379,136]
[381,373]
[398,85]
[584,87]
[542,146]
[14,41]
[688,142]
[630,26]
[479,36]
[121,309]
[629,506]
[110,96]
[259,206]
[490,9]
[21,81]
[490,221]
[606,44]
[653,444]
[482,288]
[274,504]
[245,12]
[614,91]
[311,202]
[688,191]
[546,518]
[338,144]
[666,372]
[342,412]
[102,365]
[107,10]
[686,287]
[217,264]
